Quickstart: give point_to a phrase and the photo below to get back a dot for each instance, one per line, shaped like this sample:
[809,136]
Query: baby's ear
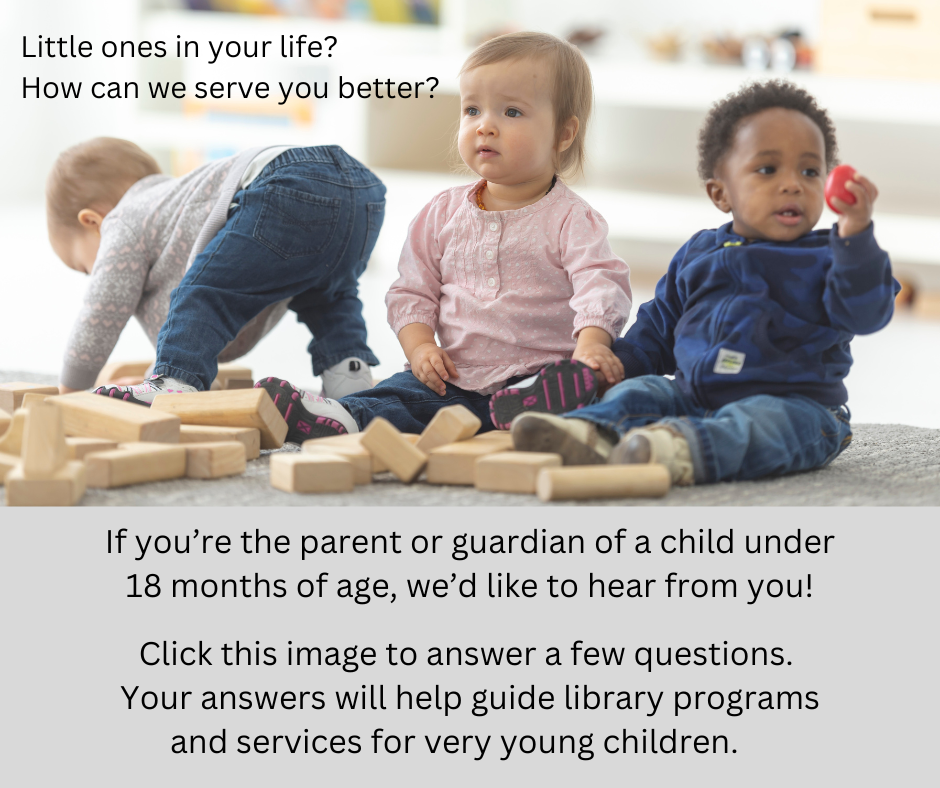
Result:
[90,219]
[718,194]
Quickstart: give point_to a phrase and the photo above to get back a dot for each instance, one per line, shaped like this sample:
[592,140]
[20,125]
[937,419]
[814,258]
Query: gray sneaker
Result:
[347,377]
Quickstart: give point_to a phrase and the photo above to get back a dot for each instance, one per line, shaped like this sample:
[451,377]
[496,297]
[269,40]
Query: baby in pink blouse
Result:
[513,274]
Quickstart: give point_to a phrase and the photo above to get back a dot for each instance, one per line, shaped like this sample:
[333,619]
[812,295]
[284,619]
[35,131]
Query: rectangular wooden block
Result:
[44,450]
[64,488]
[136,463]
[512,471]
[238,383]
[403,459]
[502,437]
[11,394]
[449,425]
[603,481]
[248,408]
[249,437]
[229,372]
[353,451]
[317,472]
[114,370]
[214,460]
[455,463]
[79,448]
[5,419]
[30,398]
[7,463]
[89,415]
[12,440]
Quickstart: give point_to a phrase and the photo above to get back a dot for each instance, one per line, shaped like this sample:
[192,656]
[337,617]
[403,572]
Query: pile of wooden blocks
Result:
[53,447]
[450,451]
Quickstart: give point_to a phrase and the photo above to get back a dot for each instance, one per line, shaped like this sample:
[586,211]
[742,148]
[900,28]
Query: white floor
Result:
[894,380]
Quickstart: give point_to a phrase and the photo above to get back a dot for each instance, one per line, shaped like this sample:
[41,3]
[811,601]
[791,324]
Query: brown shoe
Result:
[656,443]
[578,441]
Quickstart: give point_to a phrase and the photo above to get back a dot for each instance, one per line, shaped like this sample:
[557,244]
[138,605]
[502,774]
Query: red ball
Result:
[835,186]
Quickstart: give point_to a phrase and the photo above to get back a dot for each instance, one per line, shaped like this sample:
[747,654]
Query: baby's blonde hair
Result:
[93,174]
[572,88]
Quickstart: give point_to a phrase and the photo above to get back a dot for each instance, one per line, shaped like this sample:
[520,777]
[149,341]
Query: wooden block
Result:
[214,460]
[395,450]
[122,369]
[500,437]
[316,472]
[32,397]
[135,463]
[353,451]
[249,437]
[238,383]
[229,372]
[12,440]
[44,450]
[512,471]
[249,408]
[603,481]
[352,441]
[7,463]
[455,463]
[64,488]
[449,425]
[5,420]
[79,448]
[355,438]
[11,394]
[89,415]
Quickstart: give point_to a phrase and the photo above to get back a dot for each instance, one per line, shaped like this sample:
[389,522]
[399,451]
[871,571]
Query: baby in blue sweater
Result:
[753,319]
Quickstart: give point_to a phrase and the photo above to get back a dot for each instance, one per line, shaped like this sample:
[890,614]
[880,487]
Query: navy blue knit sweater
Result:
[733,318]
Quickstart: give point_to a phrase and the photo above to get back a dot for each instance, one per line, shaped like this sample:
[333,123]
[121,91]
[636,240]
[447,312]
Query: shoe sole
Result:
[302,425]
[562,387]
[540,435]
[115,393]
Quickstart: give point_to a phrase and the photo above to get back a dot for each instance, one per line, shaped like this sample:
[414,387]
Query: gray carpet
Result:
[886,465]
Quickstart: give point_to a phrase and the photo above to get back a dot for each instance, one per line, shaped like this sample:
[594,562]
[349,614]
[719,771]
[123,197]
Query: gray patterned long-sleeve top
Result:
[147,240]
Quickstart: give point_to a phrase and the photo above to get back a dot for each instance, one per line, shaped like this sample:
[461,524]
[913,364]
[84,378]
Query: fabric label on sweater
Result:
[729,362]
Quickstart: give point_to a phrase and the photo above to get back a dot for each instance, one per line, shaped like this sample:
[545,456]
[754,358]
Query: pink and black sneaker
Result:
[562,387]
[307,415]
[144,393]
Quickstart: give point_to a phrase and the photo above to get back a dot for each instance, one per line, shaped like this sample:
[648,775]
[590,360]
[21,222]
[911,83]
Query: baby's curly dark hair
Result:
[717,134]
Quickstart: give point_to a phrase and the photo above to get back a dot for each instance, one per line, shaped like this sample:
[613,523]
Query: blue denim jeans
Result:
[409,405]
[304,230]
[756,436]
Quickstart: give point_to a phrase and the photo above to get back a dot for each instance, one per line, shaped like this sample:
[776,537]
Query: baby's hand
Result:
[601,358]
[432,366]
[856,218]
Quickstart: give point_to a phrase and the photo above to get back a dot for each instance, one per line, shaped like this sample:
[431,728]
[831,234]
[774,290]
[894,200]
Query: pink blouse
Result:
[508,291]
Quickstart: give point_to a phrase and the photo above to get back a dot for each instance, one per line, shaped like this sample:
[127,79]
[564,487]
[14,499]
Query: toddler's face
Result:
[772,180]
[507,125]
